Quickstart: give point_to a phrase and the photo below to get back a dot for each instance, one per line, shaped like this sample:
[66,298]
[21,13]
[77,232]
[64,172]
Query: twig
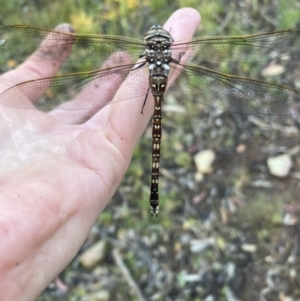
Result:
[118,260]
[223,24]
[289,130]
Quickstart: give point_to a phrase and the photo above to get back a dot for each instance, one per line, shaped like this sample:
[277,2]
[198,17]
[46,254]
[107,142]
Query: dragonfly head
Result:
[157,32]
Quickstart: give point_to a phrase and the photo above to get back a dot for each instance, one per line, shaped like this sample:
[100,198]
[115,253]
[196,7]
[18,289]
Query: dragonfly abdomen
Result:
[156,139]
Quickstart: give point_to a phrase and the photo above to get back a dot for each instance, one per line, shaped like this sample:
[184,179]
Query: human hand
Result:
[57,176]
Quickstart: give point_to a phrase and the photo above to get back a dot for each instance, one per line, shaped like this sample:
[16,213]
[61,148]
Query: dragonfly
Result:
[158,61]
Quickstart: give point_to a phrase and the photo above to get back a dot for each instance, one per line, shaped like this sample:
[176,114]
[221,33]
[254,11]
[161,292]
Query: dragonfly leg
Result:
[145,100]
[135,68]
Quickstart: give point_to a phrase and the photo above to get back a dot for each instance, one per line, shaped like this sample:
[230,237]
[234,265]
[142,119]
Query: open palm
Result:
[59,170]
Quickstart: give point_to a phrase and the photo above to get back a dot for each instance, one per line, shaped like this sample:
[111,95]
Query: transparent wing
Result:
[209,87]
[250,48]
[21,41]
[76,91]
[198,84]
[233,93]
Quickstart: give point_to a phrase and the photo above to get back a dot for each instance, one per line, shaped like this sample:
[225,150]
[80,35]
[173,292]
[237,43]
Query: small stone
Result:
[250,248]
[273,70]
[279,166]
[204,161]
[199,177]
[92,256]
[289,219]
[241,148]
[101,295]
[200,245]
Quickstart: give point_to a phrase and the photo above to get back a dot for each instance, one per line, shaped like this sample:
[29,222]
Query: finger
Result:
[35,66]
[124,121]
[101,90]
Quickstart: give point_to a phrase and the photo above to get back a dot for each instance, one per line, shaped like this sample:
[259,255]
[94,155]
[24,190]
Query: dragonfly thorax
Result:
[158,52]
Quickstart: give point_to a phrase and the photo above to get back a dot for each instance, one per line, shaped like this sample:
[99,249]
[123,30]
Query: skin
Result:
[56,176]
